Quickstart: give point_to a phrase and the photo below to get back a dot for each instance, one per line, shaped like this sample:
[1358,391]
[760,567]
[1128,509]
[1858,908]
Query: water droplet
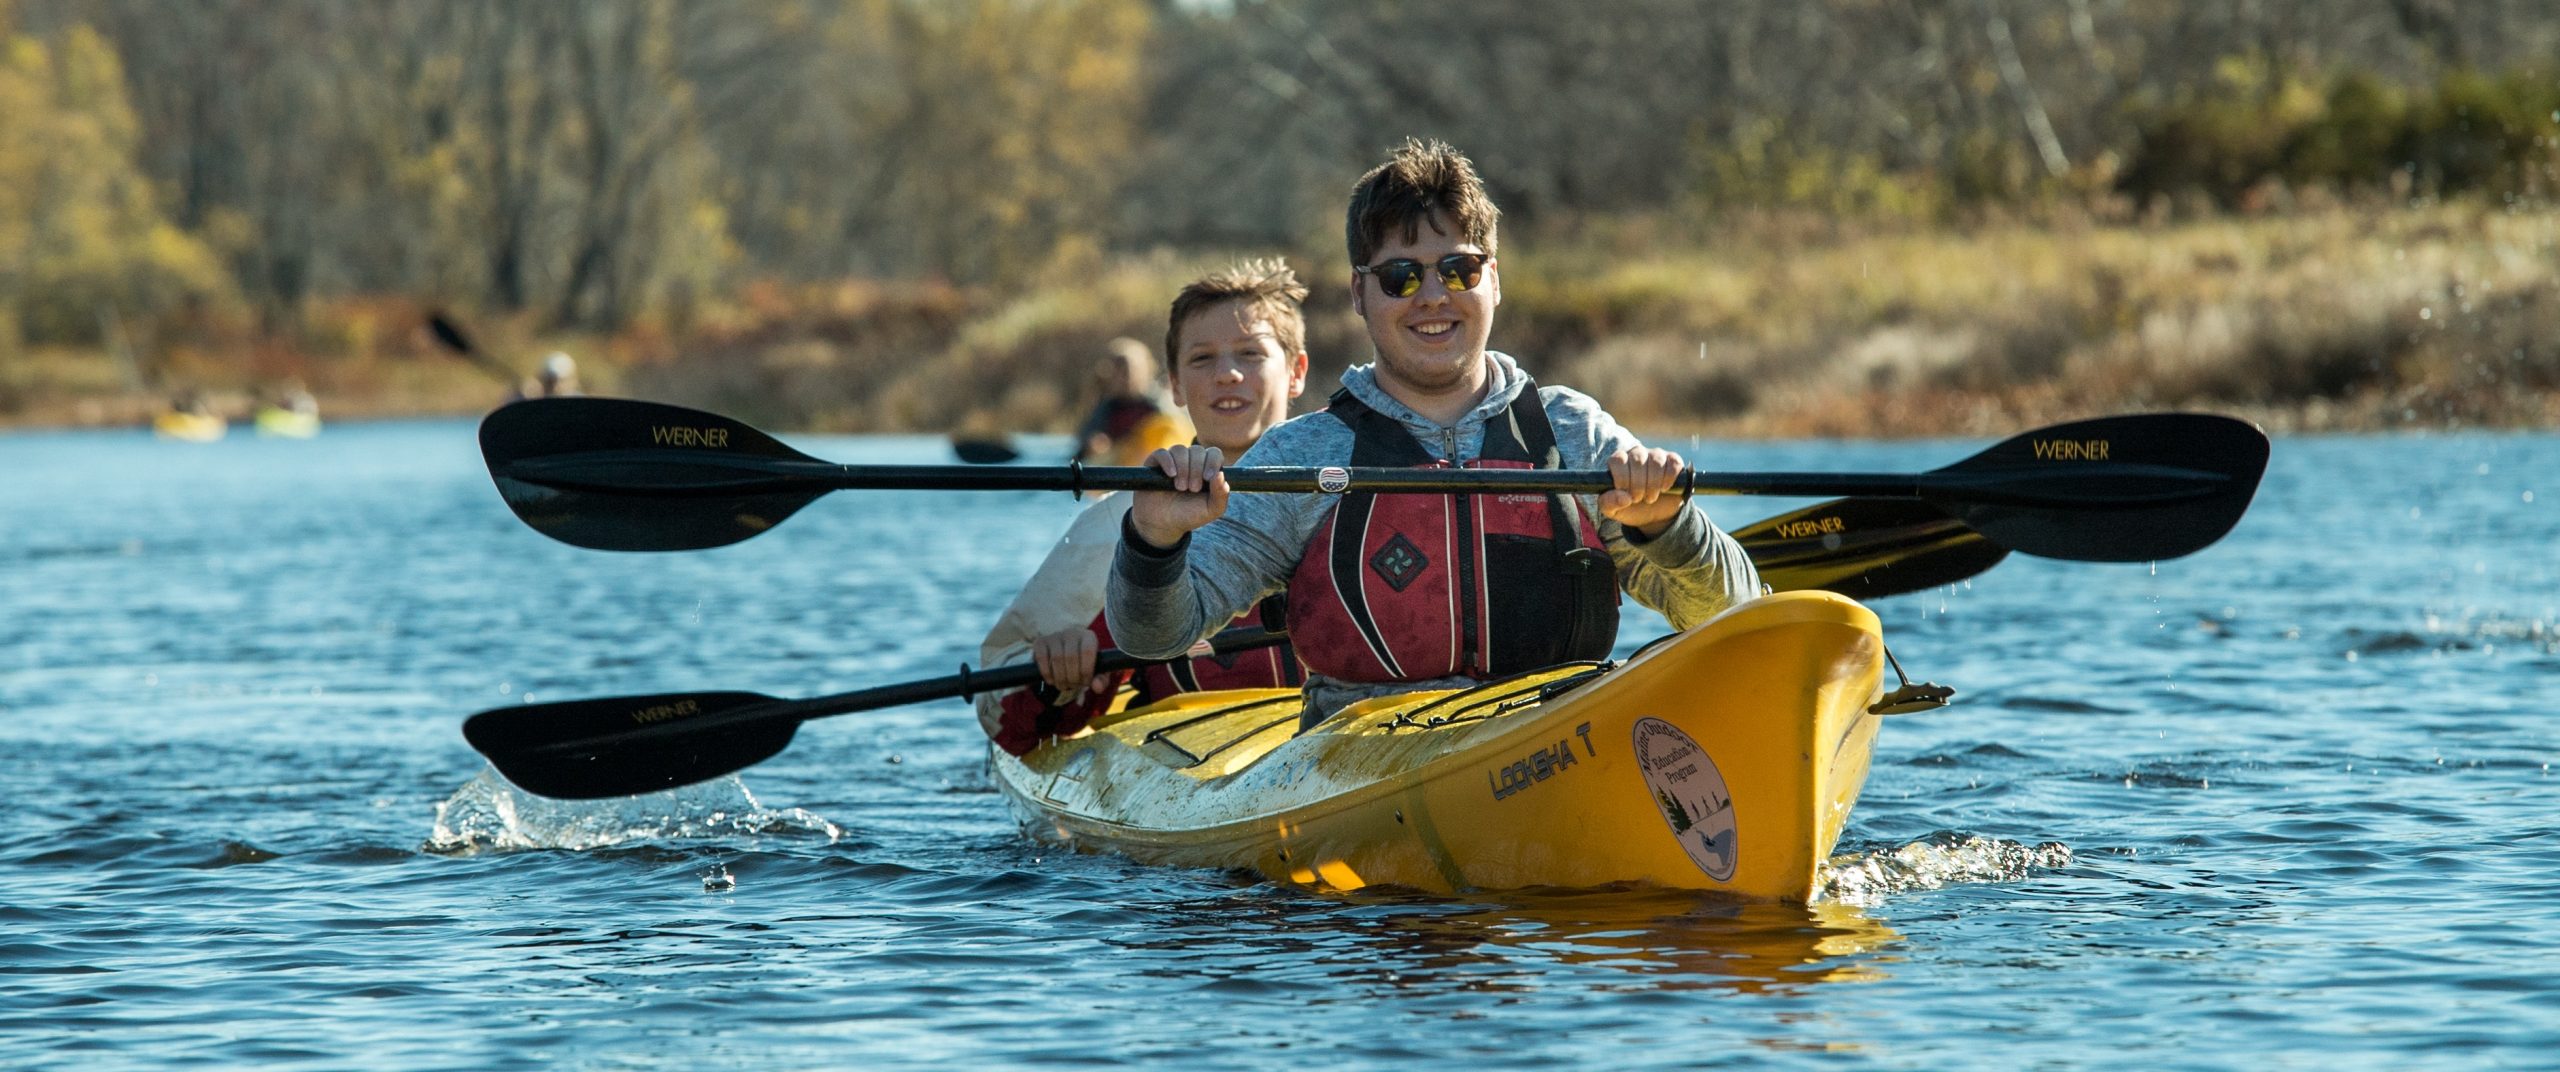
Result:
[2426,313]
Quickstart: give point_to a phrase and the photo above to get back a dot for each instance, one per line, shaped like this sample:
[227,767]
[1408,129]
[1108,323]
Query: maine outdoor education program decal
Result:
[1690,791]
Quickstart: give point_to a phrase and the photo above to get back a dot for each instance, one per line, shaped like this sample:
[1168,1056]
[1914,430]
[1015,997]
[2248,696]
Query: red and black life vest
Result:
[1027,719]
[1274,667]
[1413,586]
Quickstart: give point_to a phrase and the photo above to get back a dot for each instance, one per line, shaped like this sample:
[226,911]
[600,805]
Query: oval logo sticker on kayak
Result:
[1689,791]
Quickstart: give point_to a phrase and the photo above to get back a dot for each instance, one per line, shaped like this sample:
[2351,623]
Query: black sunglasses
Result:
[1402,277]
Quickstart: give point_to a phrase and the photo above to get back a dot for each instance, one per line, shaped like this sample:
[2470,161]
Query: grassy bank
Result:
[2337,319]
[2333,318]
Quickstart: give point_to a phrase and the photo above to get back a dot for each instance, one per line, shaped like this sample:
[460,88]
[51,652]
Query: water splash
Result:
[1866,878]
[2489,630]
[489,815]
[2443,633]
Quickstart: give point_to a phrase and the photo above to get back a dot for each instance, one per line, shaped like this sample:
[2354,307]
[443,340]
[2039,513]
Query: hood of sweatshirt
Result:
[1504,382]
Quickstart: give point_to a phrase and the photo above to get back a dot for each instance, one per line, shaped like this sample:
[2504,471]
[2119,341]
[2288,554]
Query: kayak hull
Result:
[190,427]
[275,423]
[1725,759]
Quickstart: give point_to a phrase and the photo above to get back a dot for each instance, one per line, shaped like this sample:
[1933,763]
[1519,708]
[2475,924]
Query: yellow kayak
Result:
[1725,759]
[191,427]
[277,422]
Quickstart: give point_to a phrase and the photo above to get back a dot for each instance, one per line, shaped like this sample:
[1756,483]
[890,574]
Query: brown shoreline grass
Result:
[2330,319]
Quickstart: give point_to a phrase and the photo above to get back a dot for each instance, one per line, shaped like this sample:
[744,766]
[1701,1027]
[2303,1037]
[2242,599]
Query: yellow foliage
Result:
[1034,106]
[1764,165]
[81,239]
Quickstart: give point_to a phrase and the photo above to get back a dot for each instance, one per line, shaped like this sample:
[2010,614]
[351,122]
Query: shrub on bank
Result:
[2253,135]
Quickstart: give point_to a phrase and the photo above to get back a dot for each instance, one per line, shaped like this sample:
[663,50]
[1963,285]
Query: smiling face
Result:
[1430,345]
[1233,376]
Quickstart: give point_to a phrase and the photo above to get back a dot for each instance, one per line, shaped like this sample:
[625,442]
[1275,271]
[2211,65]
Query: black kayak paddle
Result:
[623,475]
[622,746]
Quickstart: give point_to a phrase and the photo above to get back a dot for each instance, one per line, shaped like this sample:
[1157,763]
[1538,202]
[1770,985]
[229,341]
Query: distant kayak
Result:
[984,450]
[190,427]
[1725,759]
[277,422]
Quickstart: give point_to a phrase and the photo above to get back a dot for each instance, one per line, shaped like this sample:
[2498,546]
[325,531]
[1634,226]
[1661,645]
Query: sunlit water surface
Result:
[2287,803]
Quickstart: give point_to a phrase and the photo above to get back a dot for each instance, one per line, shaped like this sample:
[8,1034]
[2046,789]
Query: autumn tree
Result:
[83,243]
[966,139]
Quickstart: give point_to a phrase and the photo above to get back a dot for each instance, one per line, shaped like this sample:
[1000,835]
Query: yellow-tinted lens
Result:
[1461,271]
[1399,278]
[1402,277]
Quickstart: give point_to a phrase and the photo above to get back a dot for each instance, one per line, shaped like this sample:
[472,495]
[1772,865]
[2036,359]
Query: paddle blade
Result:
[2116,489]
[626,745]
[1866,548]
[614,474]
[984,451]
[450,334]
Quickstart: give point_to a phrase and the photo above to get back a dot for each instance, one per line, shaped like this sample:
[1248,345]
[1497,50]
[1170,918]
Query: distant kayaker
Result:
[1236,354]
[1390,593]
[557,378]
[1128,422]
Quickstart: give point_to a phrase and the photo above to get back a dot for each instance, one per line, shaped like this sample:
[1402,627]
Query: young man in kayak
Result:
[1236,353]
[1392,593]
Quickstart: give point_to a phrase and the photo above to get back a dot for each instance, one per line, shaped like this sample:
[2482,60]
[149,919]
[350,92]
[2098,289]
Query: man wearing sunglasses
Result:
[1390,593]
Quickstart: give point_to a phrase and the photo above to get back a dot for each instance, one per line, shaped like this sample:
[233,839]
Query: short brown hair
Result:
[1422,177]
[1266,286]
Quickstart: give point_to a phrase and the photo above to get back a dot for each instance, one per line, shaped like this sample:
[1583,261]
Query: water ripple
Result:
[2283,803]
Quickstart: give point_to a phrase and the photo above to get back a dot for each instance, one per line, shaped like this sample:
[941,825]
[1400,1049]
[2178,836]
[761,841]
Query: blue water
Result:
[2286,803]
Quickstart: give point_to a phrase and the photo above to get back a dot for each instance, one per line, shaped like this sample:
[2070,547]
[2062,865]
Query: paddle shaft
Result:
[656,720]
[678,473]
[621,475]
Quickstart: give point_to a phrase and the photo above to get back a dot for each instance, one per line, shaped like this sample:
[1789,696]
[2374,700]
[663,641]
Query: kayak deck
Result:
[1725,758]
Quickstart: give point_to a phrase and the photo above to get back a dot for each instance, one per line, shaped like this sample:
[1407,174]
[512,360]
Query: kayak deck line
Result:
[1727,758]
[1503,695]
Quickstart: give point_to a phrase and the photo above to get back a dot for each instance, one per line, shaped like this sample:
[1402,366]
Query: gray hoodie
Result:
[1159,603]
